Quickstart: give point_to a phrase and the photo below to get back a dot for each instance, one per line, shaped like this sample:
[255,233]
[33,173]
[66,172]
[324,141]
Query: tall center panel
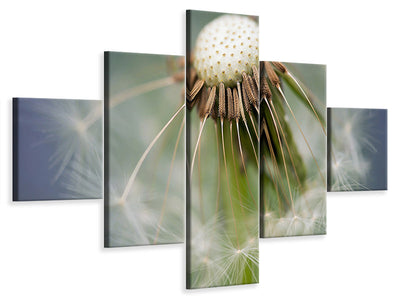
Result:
[222,163]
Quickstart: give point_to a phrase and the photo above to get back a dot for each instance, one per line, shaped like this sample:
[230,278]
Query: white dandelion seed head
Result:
[225,48]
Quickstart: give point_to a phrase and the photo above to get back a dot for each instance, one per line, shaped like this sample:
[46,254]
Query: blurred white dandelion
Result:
[357,149]
[73,149]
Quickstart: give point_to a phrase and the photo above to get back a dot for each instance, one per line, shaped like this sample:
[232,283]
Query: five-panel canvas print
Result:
[243,148]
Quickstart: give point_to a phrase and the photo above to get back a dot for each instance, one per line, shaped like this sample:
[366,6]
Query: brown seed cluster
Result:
[224,102]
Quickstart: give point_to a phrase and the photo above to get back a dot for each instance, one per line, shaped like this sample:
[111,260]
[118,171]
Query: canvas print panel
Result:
[222,149]
[357,157]
[293,149]
[57,149]
[144,149]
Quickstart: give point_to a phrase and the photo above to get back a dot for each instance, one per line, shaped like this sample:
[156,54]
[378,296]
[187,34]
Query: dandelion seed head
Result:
[219,48]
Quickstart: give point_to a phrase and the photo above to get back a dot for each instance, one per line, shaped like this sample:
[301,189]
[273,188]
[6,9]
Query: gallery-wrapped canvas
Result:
[222,92]
[57,149]
[357,143]
[292,149]
[144,149]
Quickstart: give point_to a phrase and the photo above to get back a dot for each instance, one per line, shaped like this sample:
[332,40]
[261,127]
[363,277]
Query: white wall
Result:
[54,49]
